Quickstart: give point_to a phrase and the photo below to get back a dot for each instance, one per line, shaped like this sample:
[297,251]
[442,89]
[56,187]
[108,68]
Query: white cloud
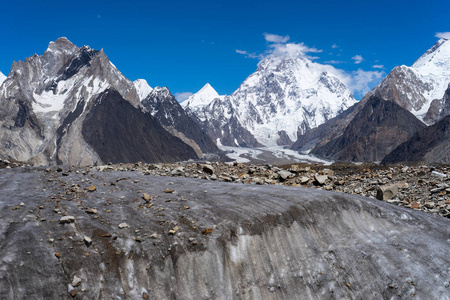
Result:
[182,96]
[443,35]
[334,46]
[291,50]
[248,54]
[378,66]
[275,38]
[358,59]
[363,81]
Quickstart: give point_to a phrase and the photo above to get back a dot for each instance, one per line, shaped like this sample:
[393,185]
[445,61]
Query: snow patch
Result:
[2,78]
[143,88]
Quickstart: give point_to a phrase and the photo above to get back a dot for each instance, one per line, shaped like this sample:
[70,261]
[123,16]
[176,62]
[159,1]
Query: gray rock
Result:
[67,219]
[387,192]
[76,281]
[284,175]
[320,179]
[208,169]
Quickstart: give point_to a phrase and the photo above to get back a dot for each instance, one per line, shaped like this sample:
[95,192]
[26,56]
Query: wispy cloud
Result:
[182,96]
[443,35]
[334,46]
[363,81]
[291,50]
[358,59]
[275,38]
[249,55]
[335,62]
[378,66]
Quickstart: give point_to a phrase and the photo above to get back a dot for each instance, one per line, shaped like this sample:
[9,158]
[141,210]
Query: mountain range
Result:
[286,96]
[368,132]
[72,106]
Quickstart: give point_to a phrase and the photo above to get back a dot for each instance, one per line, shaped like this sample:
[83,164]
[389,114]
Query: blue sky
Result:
[185,44]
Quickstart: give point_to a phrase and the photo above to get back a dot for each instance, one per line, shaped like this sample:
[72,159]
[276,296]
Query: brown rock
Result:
[92,188]
[207,231]
[174,230]
[415,205]
[146,197]
[73,293]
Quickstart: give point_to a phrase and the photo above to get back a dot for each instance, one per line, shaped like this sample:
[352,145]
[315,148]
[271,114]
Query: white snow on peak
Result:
[433,70]
[202,98]
[434,67]
[143,88]
[290,94]
[2,78]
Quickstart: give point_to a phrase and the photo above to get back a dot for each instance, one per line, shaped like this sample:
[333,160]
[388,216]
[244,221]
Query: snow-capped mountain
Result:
[370,130]
[2,78]
[420,88]
[200,99]
[45,100]
[143,88]
[284,97]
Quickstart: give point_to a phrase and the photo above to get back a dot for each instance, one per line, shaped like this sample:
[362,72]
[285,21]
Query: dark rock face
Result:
[431,144]
[374,132]
[121,133]
[165,108]
[327,131]
[232,241]
[446,104]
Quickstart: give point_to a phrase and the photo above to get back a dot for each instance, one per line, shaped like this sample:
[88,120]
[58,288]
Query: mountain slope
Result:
[166,109]
[431,144]
[45,100]
[376,130]
[107,129]
[413,88]
[284,97]
[420,88]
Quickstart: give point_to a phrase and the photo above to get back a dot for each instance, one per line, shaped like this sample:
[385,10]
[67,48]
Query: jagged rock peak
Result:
[162,91]
[62,44]
[143,88]
[203,97]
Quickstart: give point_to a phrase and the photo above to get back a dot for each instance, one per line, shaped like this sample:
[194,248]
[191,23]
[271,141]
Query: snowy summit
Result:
[203,97]
[142,88]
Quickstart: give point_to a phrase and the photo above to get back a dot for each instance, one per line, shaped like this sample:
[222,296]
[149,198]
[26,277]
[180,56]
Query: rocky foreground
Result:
[120,232]
[419,187]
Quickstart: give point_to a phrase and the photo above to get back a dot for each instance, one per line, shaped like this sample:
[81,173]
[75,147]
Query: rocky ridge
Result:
[46,99]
